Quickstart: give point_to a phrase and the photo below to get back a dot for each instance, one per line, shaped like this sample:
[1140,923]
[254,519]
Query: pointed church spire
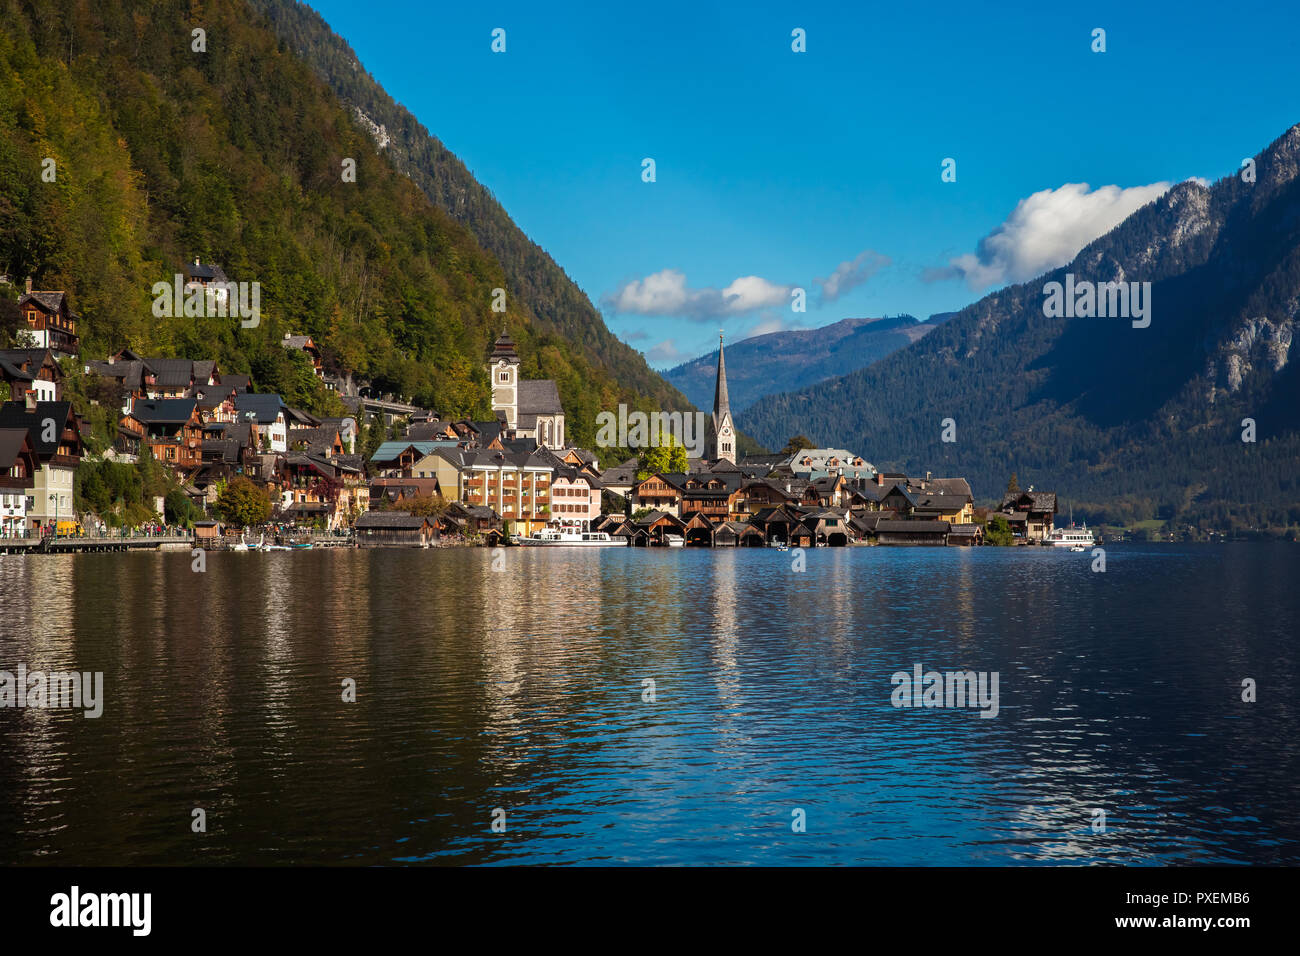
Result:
[720,401]
[724,433]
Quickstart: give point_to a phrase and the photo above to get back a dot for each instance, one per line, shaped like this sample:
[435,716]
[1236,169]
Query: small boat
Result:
[674,541]
[1078,547]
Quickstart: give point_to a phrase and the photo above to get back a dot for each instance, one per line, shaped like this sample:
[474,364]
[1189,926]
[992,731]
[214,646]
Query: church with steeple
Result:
[722,435]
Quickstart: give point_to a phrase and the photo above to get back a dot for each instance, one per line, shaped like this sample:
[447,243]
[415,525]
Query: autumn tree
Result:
[242,503]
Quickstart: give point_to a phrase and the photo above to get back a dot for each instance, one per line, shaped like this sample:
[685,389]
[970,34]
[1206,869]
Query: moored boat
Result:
[571,536]
[1076,539]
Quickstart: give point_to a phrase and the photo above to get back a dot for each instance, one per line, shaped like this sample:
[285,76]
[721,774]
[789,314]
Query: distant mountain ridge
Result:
[1126,423]
[790,360]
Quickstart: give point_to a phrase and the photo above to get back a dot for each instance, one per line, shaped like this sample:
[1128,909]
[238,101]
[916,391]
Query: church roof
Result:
[504,348]
[539,396]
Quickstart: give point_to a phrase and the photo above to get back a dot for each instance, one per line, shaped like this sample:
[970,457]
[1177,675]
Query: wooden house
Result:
[50,322]
[170,428]
[393,529]
[1031,512]
[720,496]
[33,372]
[698,528]
[657,524]
[304,344]
[737,534]
[965,535]
[829,528]
[659,492]
[914,532]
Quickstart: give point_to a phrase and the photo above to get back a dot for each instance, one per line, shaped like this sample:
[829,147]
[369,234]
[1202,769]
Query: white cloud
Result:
[1045,231]
[667,294]
[664,353]
[850,274]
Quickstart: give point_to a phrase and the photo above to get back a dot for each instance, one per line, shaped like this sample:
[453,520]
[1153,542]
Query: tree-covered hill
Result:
[235,154]
[1126,423]
[559,307]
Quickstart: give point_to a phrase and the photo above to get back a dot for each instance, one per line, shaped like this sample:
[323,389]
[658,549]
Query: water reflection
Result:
[522,688]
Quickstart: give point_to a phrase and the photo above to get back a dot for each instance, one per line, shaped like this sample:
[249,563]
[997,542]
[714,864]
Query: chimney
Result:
[927,476]
[880,479]
[29,284]
[196,260]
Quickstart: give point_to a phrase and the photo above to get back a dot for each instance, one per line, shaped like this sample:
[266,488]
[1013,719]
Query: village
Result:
[439,482]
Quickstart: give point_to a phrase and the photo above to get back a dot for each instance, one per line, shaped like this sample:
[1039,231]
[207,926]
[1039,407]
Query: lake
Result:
[519,697]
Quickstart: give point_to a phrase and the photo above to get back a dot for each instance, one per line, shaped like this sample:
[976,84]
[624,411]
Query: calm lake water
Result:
[523,690]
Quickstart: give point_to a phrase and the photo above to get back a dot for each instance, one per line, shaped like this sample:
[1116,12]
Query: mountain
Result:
[167,145]
[787,361]
[1125,423]
[556,306]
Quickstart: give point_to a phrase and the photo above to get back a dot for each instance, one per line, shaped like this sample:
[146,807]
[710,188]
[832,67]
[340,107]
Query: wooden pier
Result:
[52,545]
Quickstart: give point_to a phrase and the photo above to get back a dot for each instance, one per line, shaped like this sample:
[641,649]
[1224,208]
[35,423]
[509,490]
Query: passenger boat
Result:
[571,536]
[1076,539]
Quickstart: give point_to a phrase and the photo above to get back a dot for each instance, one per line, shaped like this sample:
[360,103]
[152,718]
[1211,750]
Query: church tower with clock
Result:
[504,369]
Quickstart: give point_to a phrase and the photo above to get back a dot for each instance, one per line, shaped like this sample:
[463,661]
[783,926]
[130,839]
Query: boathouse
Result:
[393,529]
[896,532]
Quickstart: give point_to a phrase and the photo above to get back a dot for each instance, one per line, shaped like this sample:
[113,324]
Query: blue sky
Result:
[778,168]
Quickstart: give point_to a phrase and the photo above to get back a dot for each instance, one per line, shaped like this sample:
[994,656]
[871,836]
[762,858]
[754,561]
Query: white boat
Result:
[1076,539]
[570,536]
[674,541]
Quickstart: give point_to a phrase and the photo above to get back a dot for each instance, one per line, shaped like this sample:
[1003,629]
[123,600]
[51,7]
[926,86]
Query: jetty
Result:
[76,545]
